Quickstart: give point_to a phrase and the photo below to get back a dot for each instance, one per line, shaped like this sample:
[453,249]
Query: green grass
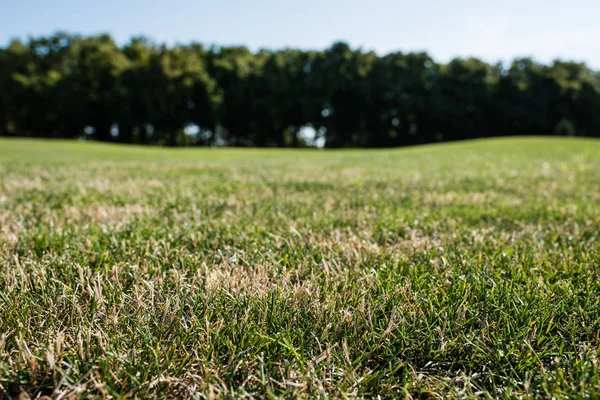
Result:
[457,270]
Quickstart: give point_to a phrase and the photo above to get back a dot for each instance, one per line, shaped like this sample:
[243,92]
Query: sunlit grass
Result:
[456,270]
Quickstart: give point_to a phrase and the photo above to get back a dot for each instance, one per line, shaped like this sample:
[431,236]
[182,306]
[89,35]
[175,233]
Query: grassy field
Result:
[458,270]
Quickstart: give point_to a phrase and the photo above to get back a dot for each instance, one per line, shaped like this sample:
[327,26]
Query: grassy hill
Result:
[461,270]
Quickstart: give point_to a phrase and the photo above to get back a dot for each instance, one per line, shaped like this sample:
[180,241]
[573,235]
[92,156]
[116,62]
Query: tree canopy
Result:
[69,86]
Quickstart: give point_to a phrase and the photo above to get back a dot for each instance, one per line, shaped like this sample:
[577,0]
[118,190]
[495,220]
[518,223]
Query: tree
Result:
[94,65]
[464,98]
[234,69]
[67,86]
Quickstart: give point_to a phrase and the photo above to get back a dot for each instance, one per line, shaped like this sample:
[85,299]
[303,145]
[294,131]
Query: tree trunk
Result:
[294,137]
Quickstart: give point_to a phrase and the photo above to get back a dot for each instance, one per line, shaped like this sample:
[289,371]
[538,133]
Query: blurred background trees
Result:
[67,86]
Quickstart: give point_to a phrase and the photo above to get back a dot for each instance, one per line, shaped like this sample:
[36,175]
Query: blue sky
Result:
[492,30]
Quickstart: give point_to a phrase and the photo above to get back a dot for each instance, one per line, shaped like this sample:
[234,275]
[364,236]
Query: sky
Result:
[497,30]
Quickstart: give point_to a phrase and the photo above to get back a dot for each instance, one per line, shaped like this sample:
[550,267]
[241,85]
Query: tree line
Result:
[70,86]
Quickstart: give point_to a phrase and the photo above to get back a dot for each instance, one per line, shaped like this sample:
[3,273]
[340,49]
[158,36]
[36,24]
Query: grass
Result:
[457,270]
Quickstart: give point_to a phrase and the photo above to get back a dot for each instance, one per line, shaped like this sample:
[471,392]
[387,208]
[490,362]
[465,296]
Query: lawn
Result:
[469,269]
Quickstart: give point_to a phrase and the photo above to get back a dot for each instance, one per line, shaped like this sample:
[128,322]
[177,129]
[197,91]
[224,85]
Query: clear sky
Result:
[493,30]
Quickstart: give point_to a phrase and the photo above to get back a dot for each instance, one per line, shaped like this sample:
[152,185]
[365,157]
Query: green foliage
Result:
[66,85]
